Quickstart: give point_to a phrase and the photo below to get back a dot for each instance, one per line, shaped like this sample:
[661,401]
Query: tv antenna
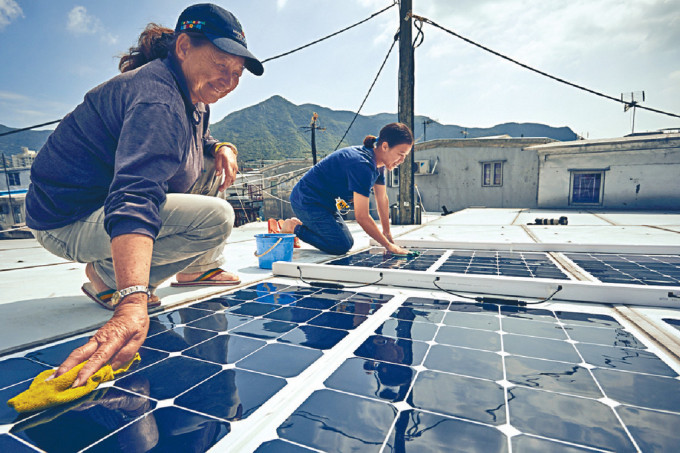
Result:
[426,122]
[313,126]
[631,100]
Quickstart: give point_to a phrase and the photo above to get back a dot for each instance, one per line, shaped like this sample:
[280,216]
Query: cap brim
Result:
[230,46]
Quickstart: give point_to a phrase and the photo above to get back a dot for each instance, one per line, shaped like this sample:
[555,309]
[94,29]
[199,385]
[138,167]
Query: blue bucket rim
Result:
[274,235]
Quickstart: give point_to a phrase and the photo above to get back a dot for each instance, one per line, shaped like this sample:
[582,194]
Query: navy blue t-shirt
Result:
[339,174]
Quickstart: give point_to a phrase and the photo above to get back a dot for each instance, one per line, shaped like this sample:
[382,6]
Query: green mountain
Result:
[11,144]
[274,129]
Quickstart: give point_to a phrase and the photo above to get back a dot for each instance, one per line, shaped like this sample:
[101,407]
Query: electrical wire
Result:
[329,36]
[396,37]
[434,24]
[336,285]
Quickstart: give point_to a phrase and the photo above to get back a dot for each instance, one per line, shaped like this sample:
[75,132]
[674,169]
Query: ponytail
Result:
[394,134]
[370,141]
[154,42]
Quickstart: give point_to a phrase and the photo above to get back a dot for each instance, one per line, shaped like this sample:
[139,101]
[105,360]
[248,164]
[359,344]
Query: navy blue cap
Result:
[222,29]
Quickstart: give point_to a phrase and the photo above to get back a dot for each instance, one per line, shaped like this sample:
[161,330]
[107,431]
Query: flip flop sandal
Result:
[273,226]
[204,280]
[104,298]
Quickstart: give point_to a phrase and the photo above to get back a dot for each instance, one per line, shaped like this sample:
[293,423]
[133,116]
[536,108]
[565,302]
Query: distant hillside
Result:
[272,129]
[11,144]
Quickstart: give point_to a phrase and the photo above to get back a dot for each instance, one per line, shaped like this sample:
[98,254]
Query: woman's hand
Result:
[225,163]
[396,250]
[116,342]
[388,235]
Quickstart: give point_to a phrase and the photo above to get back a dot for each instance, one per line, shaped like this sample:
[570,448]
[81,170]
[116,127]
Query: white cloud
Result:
[9,10]
[280,4]
[7,96]
[80,22]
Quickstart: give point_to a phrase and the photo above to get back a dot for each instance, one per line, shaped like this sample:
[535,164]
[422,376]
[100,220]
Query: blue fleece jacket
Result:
[134,139]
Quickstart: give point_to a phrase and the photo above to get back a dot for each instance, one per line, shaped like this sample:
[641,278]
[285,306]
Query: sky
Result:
[54,51]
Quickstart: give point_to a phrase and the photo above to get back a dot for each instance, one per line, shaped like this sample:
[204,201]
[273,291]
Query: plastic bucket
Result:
[273,247]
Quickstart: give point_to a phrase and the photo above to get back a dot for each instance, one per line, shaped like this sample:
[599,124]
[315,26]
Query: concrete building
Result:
[637,172]
[497,172]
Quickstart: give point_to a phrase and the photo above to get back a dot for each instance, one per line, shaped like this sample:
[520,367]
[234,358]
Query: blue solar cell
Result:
[624,359]
[650,429]
[280,360]
[372,378]
[460,396]
[358,308]
[536,444]
[393,350]
[604,336]
[653,392]
[224,349]
[587,319]
[534,328]
[334,421]
[541,348]
[103,412]
[253,309]
[406,329]
[178,339]
[659,270]
[265,329]
[220,322]
[536,314]
[293,314]
[553,376]
[166,429]
[7,414]
[337,320]
[314,337]
[168,378]
[281,446]
[277,299]
[416,431]
[673,322]
[317,303]
[8,443]
[590,422]
[466,362]
[472,320]
[13,371]
[53,356]
[231,394]
[418,314]
[469,338]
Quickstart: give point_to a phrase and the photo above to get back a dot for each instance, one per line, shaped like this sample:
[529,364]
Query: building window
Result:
[492,174]
[586,187]
[393,178]
[14,179]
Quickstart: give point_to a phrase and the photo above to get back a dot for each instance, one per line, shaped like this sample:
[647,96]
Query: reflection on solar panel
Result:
[661,270]
[203,367]
[481,262]
[473,375]
[673,322]
[435,373]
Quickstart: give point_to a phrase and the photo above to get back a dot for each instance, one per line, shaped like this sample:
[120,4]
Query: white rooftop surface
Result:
[41,301]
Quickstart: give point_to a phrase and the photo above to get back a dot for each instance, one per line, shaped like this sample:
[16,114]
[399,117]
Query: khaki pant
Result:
[195,227]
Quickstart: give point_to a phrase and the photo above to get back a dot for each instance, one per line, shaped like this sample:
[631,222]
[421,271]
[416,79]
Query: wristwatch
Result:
[122,293]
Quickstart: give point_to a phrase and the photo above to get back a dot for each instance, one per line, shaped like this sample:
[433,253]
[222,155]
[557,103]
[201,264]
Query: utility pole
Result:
[406,116]
[9,190]
[425,123]
[313,127]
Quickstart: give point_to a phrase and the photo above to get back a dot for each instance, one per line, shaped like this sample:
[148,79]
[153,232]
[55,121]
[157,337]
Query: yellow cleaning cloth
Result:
[43,394]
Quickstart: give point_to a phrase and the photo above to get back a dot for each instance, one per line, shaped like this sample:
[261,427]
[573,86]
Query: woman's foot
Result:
[222,276]
[288,226]
[95,279]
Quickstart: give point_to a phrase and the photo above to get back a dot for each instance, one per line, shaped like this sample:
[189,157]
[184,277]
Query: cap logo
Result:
[192,24]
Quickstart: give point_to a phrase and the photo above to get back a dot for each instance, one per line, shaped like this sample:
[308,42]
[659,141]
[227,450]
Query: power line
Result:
[329,36]
[29,128]
[428,21]
[369,90]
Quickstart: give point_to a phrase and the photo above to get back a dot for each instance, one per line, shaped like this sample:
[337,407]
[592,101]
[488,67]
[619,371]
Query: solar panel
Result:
[636,269]
[477,376]
[474,262]
[433,374]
